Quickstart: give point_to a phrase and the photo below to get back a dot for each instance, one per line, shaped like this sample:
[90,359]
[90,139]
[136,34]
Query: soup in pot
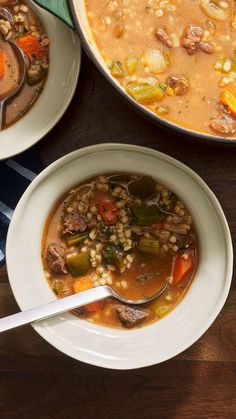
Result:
[175,57]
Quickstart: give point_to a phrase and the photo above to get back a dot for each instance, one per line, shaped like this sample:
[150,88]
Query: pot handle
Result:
[59,8]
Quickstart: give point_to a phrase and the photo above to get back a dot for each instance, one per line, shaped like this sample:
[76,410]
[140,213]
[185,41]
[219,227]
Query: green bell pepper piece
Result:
[78,264]
[144,215]
[143,188]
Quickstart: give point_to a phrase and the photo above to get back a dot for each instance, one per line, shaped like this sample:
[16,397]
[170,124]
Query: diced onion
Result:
[155,61]
[213,11]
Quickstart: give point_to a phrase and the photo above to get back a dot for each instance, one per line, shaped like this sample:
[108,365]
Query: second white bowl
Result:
[65,60]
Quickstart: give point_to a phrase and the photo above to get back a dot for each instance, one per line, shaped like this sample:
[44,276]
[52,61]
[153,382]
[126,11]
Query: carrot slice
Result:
[31,46]
[232,88]
[182,267]
[228,99]
[108,212]
[83,284]
[2,64]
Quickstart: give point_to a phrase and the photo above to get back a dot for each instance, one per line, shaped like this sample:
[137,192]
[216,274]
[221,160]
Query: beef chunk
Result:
[192,40]
[73,223]
[56,259]
[179,83]
[223,123]
[131,316]
[162,36]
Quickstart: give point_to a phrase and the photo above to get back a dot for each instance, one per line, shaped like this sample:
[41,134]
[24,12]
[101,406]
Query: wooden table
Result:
[37,381]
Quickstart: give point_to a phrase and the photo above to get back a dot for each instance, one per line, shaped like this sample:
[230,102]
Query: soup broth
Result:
[123,230]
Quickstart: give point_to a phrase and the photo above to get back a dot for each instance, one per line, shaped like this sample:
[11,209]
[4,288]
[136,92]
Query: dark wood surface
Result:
[37,381]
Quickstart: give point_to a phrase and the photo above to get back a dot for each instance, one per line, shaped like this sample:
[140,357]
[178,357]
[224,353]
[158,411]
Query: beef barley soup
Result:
[19,24]
[175,57]
[127,231]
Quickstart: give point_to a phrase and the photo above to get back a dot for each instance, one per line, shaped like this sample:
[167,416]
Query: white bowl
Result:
[65,58]
[99,345]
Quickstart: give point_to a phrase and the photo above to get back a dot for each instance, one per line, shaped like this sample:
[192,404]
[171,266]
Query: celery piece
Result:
[144,92]
[162,110]
[78,264]
[76,239]
[149,246]
[131,64]
[116,69]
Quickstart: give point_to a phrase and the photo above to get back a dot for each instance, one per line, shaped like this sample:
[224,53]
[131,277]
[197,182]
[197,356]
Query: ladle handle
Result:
[54,308]
[1,113]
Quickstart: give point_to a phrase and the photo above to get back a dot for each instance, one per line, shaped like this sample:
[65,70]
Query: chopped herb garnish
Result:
[19,34]
[143,277]
[103,228]
[163,86]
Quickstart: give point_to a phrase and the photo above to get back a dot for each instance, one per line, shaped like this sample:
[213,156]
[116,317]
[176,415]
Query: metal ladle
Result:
[69,303]
[22,73]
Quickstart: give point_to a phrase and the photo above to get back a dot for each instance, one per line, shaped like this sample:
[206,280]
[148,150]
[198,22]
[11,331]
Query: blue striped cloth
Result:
[15,175]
